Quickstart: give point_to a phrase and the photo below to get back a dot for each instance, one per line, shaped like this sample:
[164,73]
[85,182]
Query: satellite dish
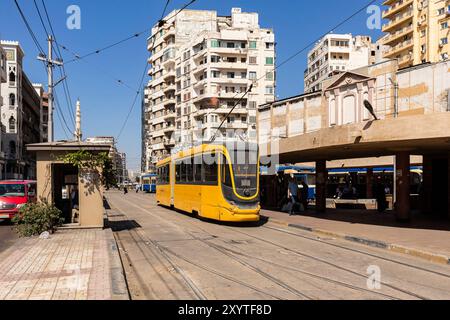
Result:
[369,107]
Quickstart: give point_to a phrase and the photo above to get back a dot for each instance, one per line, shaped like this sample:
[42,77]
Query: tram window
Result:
[198,169]
[167,174]
[183,172]
[189,170]
[210,168]
[178,172]
[226,173]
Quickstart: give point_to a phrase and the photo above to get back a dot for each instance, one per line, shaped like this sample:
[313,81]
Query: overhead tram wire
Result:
[160,25]
[133,36]
[293,56]
[30,30]
[63,69]
[119,81]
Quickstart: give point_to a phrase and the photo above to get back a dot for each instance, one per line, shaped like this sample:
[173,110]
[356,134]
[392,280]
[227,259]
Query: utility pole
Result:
[50,65]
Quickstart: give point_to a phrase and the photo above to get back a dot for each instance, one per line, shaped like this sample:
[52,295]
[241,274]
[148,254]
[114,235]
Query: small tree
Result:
[88,161]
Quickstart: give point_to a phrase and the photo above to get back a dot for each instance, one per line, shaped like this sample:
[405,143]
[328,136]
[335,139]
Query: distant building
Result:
[118,159]
[20,116]
[417,31]
[44,111]
[202,64]
[336,53]
[3,79]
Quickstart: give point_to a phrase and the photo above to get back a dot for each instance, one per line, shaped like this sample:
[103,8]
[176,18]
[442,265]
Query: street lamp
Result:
[369,107]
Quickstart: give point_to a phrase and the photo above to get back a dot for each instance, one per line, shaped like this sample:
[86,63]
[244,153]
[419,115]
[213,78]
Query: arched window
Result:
[12,77]
[12,147]
[12,99]
[12,124]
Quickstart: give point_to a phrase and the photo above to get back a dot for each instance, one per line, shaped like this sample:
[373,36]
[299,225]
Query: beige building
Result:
[3,79]
[202,64]
[417,30]
[333,124]
[335,53]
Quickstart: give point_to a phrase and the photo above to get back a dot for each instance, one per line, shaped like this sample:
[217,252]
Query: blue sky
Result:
[105,103]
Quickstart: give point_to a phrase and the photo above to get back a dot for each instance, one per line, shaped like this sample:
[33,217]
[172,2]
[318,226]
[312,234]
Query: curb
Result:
[429,256]
[119,289]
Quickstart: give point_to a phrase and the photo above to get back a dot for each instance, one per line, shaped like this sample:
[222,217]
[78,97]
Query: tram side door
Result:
[172,182]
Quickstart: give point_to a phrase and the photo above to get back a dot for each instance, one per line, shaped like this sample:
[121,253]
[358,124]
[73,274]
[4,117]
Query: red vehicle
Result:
[14,195]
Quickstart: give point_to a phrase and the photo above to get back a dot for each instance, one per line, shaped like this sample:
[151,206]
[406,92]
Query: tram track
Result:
[410,293]
[190,283]
[175,220]
[359,251]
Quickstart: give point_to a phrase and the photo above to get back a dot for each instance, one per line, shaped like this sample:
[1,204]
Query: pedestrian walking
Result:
[125,190]
[138,187]
[293,193]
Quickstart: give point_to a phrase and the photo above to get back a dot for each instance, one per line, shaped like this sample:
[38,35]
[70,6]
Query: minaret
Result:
[78,134]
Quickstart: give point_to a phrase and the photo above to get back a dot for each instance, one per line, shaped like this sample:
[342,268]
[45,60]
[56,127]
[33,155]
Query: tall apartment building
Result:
[417,30]
[335,53]
[3,79]
[202,64]
[20,116]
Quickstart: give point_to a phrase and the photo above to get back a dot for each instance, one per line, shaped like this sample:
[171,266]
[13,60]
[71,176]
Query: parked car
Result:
[15,195]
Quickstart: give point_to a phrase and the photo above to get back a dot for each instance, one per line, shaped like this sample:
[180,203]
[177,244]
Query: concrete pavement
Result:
[70,265]
[170,255]
[7,235]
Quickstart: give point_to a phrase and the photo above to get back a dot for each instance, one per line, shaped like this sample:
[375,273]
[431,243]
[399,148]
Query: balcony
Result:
[396,7]
[238,51]
[168,129]
[397,34]
[398,48]
[170,115]
[169,142]
[230,65]
[168,88]
[236,125]
[169,101]
[225,80]
[405,60]
[401,18]
[169,74]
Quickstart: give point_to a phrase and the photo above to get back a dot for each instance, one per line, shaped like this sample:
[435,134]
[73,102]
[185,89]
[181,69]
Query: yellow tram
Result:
[218,181]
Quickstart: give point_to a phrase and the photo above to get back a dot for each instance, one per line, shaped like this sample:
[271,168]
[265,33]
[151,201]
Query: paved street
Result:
[7,235]
[169,255]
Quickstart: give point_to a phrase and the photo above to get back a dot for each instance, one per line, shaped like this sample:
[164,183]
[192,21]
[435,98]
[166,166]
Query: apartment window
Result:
[252,105]
[252,75]
[269,45]
[253,45]
[444,25]
[243,75]
[244,119]
[244,60]
[444,56]
[12,100]
[269,76]
[444,41]
[269,90]
[441,11]
[215,74]
[215,44]
[230,75]
[230,104]
[230,119]
[215,59]
[269,61]
[253,60]
[252,120]
[423,32]
[12,124]
[230,45]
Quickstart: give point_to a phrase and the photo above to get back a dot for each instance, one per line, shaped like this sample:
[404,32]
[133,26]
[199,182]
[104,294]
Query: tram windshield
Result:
[245,169]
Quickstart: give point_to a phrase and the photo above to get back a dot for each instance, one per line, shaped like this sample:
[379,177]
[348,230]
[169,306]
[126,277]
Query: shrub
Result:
[35,218]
